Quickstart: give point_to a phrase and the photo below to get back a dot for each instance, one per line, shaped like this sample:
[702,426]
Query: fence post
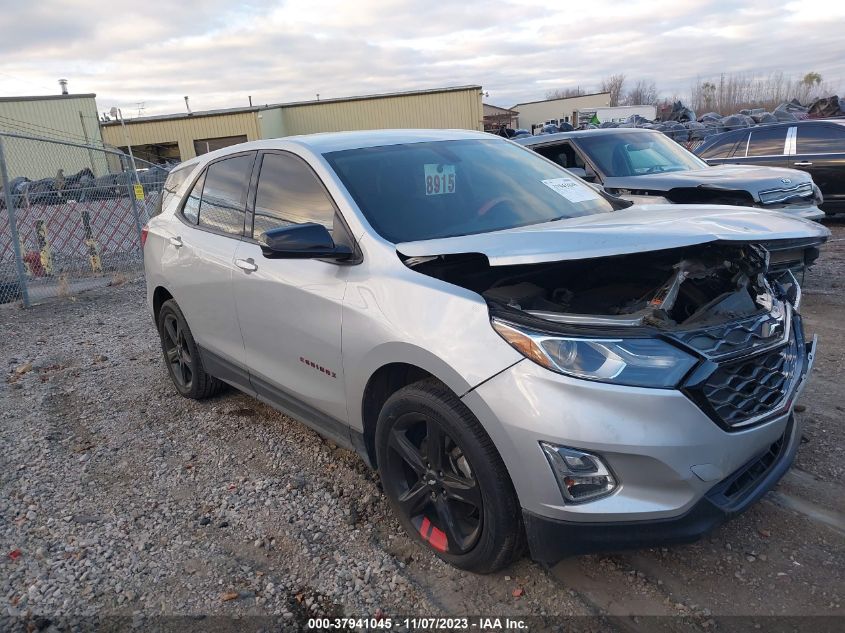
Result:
[131,189]
[13,227]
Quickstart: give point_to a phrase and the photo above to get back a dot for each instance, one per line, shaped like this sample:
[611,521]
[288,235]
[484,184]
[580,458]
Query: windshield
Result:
[637,153]
[421,191]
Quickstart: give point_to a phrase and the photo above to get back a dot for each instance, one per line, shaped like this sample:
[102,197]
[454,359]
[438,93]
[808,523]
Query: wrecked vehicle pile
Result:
[681,124]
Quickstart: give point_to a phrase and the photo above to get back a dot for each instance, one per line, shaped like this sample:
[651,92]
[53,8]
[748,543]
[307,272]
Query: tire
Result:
[461,504]
[182,356]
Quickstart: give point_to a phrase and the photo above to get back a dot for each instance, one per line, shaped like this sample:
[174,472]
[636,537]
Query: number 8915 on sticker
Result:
[439,179]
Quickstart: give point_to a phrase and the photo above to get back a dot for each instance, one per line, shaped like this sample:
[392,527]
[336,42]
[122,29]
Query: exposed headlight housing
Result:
[636,362]
[581,476]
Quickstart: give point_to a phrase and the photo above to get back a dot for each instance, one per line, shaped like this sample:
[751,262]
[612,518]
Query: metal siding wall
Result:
[542,111]
[184,131]
[56,119]
[460,109]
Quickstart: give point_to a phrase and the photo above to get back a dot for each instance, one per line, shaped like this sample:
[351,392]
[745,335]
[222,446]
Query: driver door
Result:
[289,310]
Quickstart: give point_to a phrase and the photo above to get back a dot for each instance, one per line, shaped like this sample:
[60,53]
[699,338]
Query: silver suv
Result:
[524,359]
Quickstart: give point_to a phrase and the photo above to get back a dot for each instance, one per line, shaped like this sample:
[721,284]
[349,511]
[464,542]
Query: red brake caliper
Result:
[431,534]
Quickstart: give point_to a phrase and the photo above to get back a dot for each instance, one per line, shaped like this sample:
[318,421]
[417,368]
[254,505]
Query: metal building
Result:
[185,135]
[64,117]
[538,113]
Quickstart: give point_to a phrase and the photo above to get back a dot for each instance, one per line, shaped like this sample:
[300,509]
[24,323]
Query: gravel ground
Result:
[119,497]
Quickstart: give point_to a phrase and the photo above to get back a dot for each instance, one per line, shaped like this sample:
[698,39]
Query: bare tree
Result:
[643,93]
[565,93]
[614,85]
[734,92]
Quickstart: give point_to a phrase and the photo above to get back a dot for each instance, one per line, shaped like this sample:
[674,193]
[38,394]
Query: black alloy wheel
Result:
[182,356]
[177,353]
[445,480]
[437,490]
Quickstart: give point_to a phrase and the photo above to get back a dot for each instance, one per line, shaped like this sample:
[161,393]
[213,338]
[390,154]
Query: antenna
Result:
[187,105]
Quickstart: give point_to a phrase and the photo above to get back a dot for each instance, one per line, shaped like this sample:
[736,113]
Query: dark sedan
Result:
[817,147]
[645,166]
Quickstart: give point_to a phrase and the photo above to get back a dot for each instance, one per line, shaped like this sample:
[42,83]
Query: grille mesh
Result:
[729,338]
[743,390]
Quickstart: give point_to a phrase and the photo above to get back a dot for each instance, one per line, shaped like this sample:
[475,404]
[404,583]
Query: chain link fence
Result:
[70,217]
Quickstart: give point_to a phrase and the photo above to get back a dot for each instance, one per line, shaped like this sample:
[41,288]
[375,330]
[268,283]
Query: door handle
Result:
[176,241]
[246,264]
[803,163]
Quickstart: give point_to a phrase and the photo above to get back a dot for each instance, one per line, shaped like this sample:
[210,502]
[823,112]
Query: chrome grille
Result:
[738,337]
[784,194]
[745,391]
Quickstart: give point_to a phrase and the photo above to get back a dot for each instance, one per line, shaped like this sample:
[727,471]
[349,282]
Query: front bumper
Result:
[670,458]
[550,540]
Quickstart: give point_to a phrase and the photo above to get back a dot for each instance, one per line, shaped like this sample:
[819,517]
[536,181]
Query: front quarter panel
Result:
[395,315]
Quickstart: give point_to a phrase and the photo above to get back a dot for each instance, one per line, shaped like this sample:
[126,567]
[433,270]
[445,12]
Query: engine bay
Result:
[674,288]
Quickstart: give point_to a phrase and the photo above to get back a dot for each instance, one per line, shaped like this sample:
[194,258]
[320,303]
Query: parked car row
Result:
[525,357]
[646,166]
[816,147]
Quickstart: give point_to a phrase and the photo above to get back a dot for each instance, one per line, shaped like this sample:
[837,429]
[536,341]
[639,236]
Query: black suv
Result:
[817,147]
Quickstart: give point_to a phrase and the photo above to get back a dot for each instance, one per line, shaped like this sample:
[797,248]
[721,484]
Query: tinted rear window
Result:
[723,146]
[224,194]
[767,141]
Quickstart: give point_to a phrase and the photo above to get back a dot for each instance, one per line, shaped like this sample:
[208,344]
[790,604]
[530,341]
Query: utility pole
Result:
[85,134]
[115,112]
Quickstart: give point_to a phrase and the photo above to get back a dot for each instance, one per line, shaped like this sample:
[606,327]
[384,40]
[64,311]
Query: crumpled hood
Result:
[638,229]
[751,178]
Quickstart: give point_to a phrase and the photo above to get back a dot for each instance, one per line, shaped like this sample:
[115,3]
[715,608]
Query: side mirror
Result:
[303,241]
[587,174]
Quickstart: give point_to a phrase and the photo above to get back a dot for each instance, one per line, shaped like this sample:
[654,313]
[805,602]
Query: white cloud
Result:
[221,52]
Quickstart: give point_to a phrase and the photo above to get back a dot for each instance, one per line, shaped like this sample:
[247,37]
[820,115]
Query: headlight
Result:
[636,362]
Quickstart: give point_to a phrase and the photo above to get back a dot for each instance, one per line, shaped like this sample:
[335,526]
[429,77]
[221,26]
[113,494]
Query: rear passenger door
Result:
[820,150]
[290,309]
[766,146]
[202,254]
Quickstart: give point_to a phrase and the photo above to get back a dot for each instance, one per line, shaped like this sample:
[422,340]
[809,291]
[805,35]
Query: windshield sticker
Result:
[570,189]
[439,179]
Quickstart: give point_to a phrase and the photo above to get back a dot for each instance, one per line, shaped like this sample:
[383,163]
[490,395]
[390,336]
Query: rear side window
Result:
[191,210]
[821,139]
[289,192]
[767,141]
[175,179]
[223,203]
[722,147]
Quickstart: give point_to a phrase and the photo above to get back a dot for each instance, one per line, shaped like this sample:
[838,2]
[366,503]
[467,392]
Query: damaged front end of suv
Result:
[677,371]
[713,320]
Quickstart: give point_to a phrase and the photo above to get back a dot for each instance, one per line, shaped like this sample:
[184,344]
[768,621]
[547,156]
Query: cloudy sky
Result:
[219,51]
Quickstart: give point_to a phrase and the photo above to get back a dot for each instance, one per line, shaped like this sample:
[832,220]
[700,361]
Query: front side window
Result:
[767,141]
[626,154]
[821,139]
[563,154]
[289,192]
[223,203]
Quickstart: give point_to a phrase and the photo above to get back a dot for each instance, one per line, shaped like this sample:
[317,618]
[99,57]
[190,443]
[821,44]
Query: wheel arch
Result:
[160,295]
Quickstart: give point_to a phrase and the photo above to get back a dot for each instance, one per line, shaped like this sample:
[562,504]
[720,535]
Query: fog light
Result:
[581,476]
